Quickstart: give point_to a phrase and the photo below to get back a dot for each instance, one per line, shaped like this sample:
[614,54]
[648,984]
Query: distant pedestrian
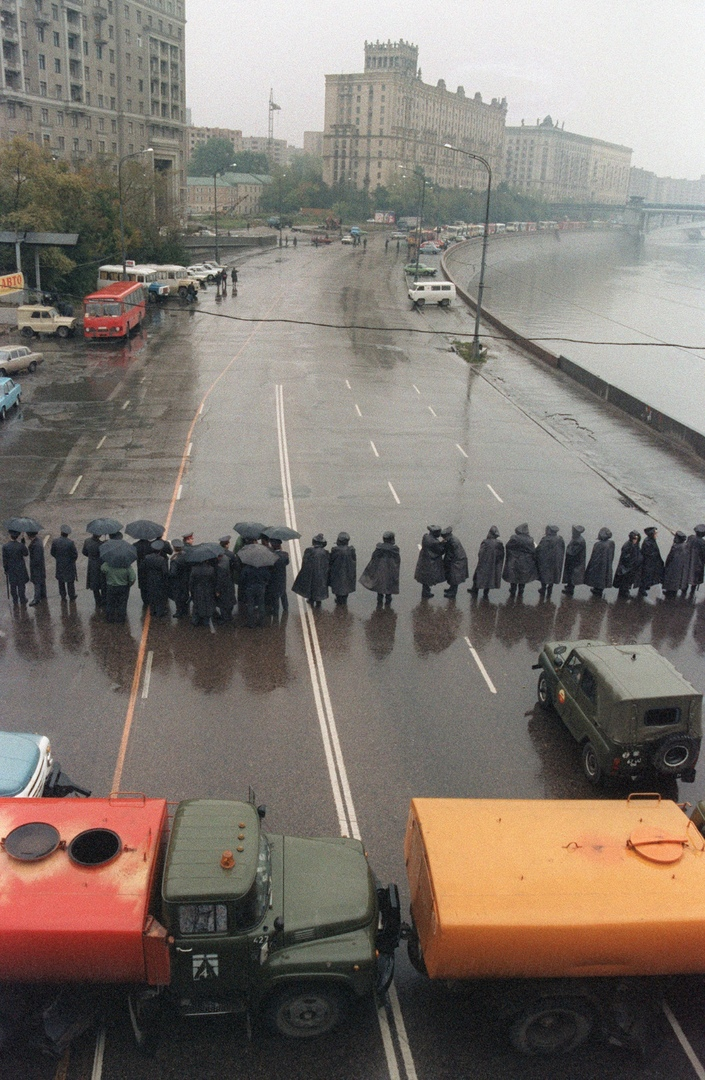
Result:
[695,545]
[364,244]
[202,587]
[598,572]
[386,244]
[342,568]
[233,276]
[294,241]
[520,560]
[381,575]
[14,553]
[118,582]
[179,574]
[675,574]
[397,247]
[575,558]
[429,565]
[311,582]
[550,552]
[626,576]
[275,590]
[455,562]
[225,581]
[37,568]
[95,580]
[155,570]
[651,572]
[490,560]
[65,553]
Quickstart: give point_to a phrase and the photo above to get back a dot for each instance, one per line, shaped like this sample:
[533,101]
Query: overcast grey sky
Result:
[628,71]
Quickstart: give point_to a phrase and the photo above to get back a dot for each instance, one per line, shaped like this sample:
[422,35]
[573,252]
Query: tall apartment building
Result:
[94,78]
[385,119]
[197,136]
[559,166]
[277,151]
[666,189]
[313,143]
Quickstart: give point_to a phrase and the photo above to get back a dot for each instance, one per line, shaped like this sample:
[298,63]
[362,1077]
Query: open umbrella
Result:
[144,530]
[118,553]
[103,526]
[201,552]
[249,530]
[281,532]
[256,555]
[22,524]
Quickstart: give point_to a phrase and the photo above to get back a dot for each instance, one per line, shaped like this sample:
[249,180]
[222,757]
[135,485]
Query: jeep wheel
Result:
[27,331]
[32,367]
[3,373]
[591,764]
[3,414]
[544,694]
[676,754]
[63,331]
[303,1011]
[552,1025]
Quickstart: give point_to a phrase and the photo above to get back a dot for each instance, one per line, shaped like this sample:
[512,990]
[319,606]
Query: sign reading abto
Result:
[11,283]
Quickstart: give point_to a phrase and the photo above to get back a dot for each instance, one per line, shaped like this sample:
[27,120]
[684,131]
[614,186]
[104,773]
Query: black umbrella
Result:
[256,555]
[118,553]
[103,526]
[144,530]
[22,524]
[249,530]
[281,532]
[201,552]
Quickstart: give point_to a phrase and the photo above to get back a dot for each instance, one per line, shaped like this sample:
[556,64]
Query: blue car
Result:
[10,394]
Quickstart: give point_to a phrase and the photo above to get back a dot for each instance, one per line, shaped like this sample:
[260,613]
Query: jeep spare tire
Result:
[674,754]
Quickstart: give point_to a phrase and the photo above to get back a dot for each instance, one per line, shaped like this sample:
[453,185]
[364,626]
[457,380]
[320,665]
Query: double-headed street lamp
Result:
[476,351]
[216,174]
[126,157]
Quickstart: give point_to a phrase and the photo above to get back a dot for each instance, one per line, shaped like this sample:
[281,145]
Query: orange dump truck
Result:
[558,910]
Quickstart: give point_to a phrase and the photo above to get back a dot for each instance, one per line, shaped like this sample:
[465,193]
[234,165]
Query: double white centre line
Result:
[337,772]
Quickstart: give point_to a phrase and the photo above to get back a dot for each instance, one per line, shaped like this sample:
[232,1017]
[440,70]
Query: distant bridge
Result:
[641,217]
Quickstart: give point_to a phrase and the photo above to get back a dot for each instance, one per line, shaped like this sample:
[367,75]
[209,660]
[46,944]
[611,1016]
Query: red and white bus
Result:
[114,311]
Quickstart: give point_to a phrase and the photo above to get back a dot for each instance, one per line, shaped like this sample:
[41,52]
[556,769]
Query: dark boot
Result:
[512,589]
[521,590]
[485,594]
[549,590]
[380,599]
[426,593]
[388,599]
[569,590]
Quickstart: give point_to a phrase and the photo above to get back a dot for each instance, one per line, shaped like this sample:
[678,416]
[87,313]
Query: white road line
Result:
[396,497]
[124,406]
[115,391]
[348,385]
[431,411]
[188,449]
[97,1070]
[357,409]
[374,449]
[147,675]
[680,1035]
[342,795]
[178,493]
[77,482]
[201,408]
[461,450]
[101,442]
[416,389]
[483,669]
[497,497]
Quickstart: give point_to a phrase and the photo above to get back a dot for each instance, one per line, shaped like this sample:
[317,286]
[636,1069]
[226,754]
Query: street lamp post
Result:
[476,352]
[137,153]
[216,174]
[424,183]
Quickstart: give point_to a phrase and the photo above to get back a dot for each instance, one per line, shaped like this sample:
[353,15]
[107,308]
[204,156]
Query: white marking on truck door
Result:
[483,669]
[680,1035]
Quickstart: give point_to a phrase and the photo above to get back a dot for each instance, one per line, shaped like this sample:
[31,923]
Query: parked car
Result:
[321,238]
[214,266]
[628,708]
[347,239]
[28,770]
[429,247]
[398,236]
[41,319]
[420,270]
[10,394]
[19,358]
[201,273]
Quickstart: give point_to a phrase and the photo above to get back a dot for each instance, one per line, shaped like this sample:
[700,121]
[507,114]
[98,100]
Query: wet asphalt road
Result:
[380,430]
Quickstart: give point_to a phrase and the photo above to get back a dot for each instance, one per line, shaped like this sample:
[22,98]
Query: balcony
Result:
[76,92]
[9,33]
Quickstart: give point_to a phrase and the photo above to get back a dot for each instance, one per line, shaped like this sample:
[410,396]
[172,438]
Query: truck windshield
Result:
[251,908]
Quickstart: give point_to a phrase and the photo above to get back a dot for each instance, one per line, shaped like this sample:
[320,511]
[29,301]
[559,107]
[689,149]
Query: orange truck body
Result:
[556,888]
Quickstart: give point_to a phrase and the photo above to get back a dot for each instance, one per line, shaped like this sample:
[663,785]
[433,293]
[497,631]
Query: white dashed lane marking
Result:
[396,497]
[497,497]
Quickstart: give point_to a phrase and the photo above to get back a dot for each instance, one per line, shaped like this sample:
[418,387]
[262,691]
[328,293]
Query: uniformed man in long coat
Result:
[312,579]
[490,560]
[275,590]
[381,575]
[575,558]
[14,553]
[550,552]
[695,545]
[598,572]
[626,576]
[455,562]
[95,580]
[429,565]
[342,568]
[155,575]
[66,553]
[675,574]
[225,581]
[202,587]
[179,574]
[37,568]
[520,561]
[652,567]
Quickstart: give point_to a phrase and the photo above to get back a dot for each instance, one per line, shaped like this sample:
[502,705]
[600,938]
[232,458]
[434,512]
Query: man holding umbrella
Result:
[276,587]
[256,562]
[14,553]
[144,532]
[66,554]
[118,557]
[95,581]
[202,558]
[225,581]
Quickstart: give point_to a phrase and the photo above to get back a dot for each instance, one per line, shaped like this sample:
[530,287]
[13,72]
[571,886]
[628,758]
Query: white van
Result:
[432,292]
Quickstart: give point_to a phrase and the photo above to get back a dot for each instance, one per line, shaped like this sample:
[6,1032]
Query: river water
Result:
[605,287]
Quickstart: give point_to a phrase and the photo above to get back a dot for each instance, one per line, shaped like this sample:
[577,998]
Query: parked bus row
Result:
[118,305]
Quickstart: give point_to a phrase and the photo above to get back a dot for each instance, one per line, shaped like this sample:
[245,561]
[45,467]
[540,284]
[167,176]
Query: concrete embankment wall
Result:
[635,408]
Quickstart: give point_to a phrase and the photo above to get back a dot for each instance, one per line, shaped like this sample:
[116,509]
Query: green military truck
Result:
[626,706]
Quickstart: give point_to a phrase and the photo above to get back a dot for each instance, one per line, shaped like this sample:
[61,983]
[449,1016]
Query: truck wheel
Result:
[302,1012]
[27,331]
[444,303]
[3,414]
[674,755]
[183,291]
[3,373]
[413,948]
[63,331]
[591,764]
[542,691]
[552,1025]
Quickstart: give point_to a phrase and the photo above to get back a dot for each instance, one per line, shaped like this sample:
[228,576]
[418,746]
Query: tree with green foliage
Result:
[249,162]
[214,156]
